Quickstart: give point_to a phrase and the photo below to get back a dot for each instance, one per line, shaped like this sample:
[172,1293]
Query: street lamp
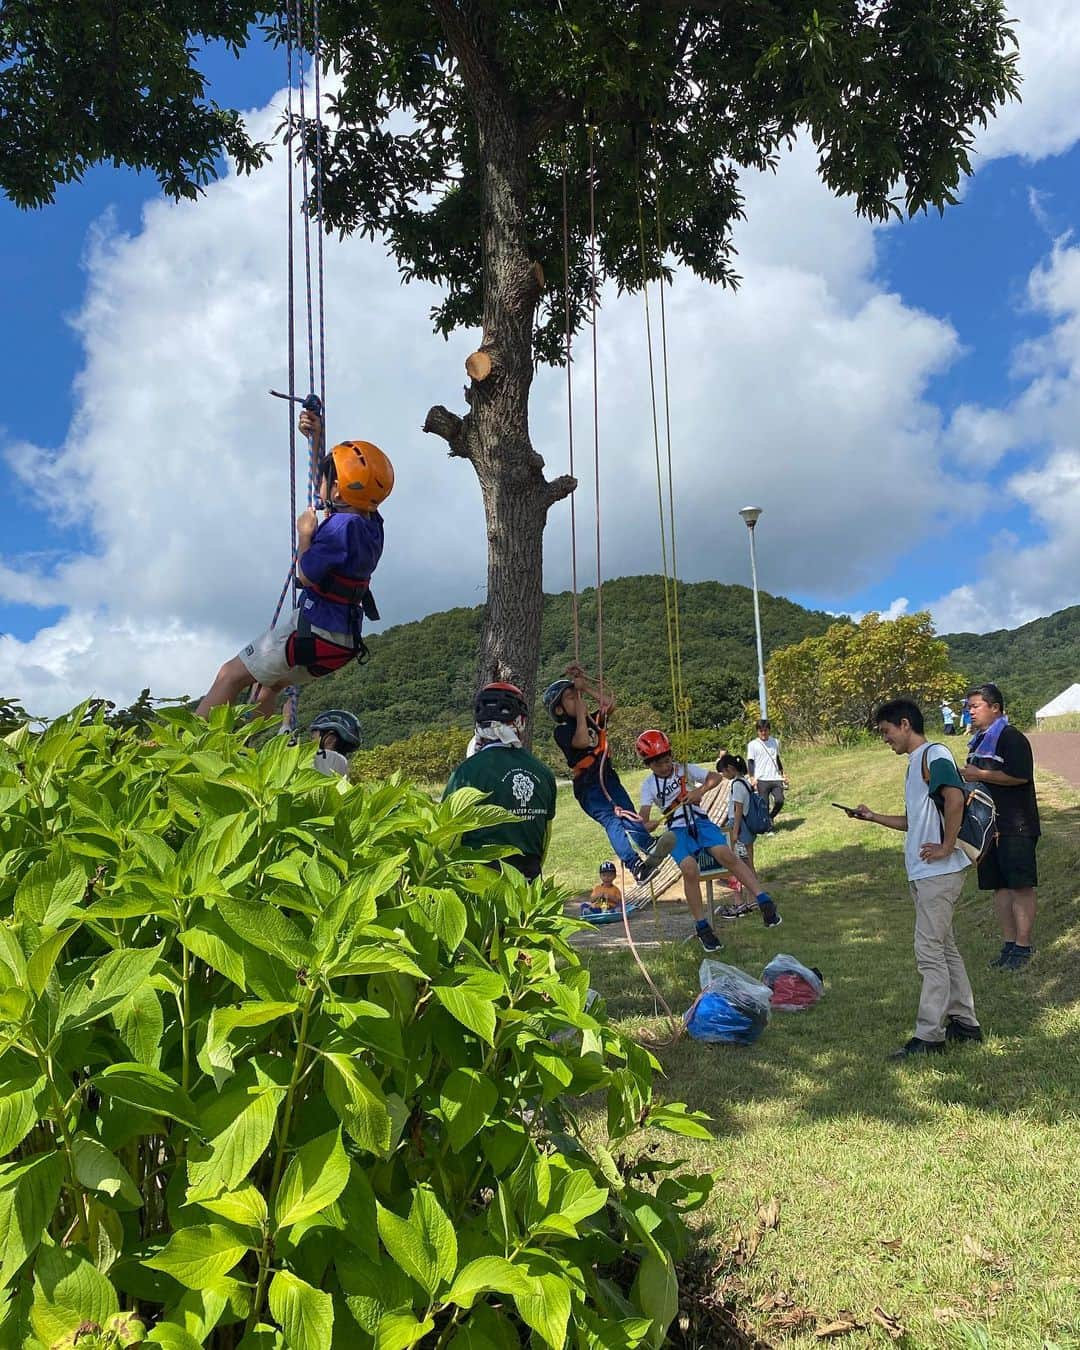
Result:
[751,515]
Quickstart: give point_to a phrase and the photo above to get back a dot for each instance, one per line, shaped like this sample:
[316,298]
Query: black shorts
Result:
[1010,864]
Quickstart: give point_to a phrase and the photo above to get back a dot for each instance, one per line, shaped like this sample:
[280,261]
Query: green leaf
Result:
[245,1207]
[105,1241]
[471,1009]
[148,1088]
[99,1170]
[49,891]
[657,1290]
[313,1180]
[547,1310]
[580,1197]
[306,1315]
[235,1150]
[141,1024]
[30,1190]
[18,1112]
[424,1244]
[679,1119]
[356,1095]
[263,1337]
[172,1337]
[114,977]
[466,1099]
[220,953]
[199,1311]
[489,1274]
[215,1058]
[196,1257]
[447,916]
[68,1292]
[12,954]
[267,928]
[401,1330]
[40,965]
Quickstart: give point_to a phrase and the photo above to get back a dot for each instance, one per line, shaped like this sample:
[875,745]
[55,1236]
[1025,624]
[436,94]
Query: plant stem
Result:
[282,1138]
[185,1017]
[60,1117]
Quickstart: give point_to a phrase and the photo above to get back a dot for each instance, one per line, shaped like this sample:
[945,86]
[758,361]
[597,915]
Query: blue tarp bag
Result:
[712,1018]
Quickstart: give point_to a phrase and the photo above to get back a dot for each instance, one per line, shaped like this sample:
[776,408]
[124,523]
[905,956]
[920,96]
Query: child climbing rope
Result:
[676,790]
[334,563]
[338,734]
[582,737]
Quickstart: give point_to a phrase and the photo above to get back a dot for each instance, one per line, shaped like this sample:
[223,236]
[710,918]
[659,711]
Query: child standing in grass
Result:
[733,768]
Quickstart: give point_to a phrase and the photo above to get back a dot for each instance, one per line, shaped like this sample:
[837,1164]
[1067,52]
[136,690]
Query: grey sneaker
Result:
[646,866]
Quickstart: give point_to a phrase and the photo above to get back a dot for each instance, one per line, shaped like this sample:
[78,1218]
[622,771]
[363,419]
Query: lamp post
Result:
[751,515]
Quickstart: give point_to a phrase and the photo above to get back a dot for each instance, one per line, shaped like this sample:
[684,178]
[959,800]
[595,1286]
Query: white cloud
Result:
[1047,121]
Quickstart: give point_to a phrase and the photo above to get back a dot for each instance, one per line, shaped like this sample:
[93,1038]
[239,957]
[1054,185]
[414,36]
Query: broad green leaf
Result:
[40,965]
[446,914]
[18,1112]
[141,1024]
[199,1311]
[112,979]
[678,1119]
[215,1057]
[657,1290]
[245,1206]
[313,1180]
[235,1150]
[466,1099]
[263,1337]
[68,1292]
[28,1199]
[355,1094]
[424,1244]
[547,1310]
[196,1257]
[469,1008]
[172,1337]
[220,953]
[148,1088]
[267,928]
[580,1197]
[105,1241]
[99,1170]
[401,1330]
[126,1329]
[11,953]
[306,1315]
[49,891]
[489,1274]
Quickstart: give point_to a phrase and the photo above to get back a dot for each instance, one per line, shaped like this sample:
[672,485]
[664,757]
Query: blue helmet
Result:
[344,723]
[607,869]
[554,692]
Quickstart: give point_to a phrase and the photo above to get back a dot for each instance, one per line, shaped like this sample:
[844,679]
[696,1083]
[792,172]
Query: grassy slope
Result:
[980,1144]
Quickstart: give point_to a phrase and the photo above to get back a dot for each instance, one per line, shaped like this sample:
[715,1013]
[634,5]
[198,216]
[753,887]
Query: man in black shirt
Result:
[1000,758]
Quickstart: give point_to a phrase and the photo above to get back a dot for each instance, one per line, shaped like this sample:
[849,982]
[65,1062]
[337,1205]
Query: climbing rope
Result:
[570,417]
[596,413]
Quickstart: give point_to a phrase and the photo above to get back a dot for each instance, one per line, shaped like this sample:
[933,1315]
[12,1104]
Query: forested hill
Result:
[421,674]
[1031,664]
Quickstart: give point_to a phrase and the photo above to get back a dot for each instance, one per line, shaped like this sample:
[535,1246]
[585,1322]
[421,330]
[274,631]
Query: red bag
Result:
[792,993]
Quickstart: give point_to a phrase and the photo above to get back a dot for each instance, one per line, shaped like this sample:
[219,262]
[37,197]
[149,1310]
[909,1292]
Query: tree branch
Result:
[557,489]
[442,422]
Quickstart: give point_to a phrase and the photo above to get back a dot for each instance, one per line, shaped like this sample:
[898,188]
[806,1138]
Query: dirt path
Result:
[1058,751]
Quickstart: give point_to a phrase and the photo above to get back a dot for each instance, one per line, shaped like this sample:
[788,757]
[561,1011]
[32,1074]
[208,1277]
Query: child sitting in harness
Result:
[334,563]
[582,737]
[676,790]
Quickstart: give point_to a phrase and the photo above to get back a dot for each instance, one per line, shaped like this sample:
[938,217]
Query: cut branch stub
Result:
[442,422]
[538,274]
[478,366]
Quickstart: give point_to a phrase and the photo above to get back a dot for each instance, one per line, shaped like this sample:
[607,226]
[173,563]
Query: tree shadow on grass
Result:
[849,912]
[787,822]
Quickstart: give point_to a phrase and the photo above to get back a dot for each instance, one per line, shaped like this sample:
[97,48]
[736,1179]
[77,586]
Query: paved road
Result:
[1058,751]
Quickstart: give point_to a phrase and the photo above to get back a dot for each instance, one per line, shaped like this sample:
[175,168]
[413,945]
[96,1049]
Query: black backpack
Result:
[978,826]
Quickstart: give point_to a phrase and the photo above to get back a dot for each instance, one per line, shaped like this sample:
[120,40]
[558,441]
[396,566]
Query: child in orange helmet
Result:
[676,790]
[334,563]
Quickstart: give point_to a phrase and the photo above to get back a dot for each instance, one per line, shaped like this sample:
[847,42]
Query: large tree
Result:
[453,126]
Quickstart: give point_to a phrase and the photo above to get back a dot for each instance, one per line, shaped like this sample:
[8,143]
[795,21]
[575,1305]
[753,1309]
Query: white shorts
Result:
[265,659]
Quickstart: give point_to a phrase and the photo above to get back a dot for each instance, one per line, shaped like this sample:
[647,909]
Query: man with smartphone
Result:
[936,868]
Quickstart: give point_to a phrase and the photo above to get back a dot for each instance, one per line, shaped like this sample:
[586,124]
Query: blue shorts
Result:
[708,836]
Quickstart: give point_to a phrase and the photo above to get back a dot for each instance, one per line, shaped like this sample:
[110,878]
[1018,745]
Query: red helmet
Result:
[653,744]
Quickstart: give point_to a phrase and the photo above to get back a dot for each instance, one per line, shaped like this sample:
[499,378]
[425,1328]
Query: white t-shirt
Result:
[764,755]
[924,823]
[662,792]
[740,792]
[330,762]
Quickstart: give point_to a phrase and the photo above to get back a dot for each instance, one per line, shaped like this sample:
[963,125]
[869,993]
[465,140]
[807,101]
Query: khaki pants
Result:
[945,988]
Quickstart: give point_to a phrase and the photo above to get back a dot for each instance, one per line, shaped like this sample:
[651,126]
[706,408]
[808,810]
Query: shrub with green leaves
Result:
[284,1067]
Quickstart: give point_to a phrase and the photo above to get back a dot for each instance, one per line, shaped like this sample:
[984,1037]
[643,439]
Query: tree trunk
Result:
[494,434]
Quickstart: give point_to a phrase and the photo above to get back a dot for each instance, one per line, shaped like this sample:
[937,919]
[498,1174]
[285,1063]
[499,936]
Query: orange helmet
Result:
[653,744]
[363,475]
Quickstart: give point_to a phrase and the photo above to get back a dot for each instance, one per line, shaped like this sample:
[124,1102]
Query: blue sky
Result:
[901,400]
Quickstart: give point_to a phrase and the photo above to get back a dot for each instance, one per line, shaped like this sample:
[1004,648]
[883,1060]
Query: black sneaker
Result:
[1017,959]
[736,911]
[917,1047]
[708,939]
[955,1030]
[1002,958]
[770,915]
[646,866]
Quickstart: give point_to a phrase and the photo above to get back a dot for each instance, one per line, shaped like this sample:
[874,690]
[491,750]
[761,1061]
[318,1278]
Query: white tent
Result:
[1068,701]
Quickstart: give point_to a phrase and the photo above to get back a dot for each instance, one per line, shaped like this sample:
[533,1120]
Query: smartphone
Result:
[848,811]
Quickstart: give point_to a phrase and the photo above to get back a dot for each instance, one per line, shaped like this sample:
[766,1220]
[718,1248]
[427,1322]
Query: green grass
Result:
[945,1192]
[1066,722]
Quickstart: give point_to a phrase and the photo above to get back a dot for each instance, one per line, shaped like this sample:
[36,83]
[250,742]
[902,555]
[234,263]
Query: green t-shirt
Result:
[516,781]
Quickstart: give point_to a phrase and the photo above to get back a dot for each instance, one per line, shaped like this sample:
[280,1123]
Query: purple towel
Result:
[983,745]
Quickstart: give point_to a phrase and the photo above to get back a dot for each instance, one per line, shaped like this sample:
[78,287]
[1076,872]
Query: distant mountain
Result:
[422,674]
[1029,664]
